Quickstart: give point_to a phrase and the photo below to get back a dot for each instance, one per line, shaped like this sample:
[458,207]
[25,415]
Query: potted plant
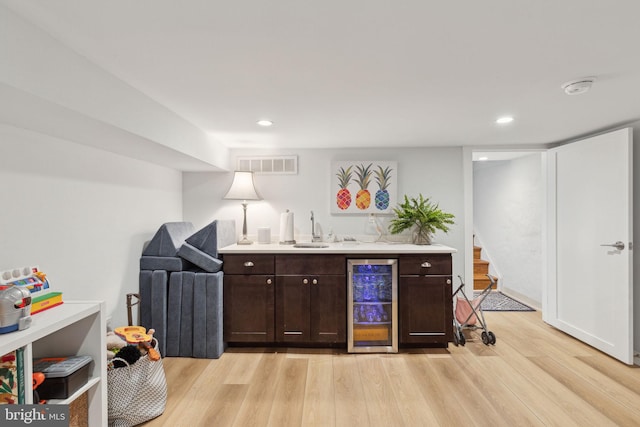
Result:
[422,216]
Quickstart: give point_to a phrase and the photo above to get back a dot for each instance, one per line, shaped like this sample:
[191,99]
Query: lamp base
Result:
[245,241]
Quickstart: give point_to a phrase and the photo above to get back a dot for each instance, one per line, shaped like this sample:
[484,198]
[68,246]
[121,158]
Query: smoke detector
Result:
[576,87]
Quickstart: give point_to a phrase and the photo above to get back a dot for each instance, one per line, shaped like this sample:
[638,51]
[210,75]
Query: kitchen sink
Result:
[311,245]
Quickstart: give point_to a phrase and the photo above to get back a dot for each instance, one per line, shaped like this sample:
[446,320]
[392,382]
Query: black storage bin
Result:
[63,375]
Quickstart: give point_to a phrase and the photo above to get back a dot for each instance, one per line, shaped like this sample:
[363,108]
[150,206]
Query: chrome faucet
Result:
[314,238]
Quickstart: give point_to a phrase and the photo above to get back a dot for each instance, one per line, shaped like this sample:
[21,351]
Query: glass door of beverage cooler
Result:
[373,306]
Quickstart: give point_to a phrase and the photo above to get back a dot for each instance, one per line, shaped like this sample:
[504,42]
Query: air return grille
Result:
[282,165]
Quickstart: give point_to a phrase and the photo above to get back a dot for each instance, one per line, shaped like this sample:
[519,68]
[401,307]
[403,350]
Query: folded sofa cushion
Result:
[174,310]
[218,234]
[144,283]
[207,316]
[214,314]
[200,258]
[153,304]
[194,315]
[163,263]
[186,314]
[168,239]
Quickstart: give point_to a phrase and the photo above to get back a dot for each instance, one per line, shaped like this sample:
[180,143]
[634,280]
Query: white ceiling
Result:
[365,73]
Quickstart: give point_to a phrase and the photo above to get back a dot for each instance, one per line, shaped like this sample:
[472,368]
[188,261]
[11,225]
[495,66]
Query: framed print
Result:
[363,187]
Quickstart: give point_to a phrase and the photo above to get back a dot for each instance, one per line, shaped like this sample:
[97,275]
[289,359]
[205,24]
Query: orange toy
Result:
[38,378]
[138,335]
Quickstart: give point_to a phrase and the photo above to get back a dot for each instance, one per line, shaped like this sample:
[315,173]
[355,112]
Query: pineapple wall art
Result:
[363,187]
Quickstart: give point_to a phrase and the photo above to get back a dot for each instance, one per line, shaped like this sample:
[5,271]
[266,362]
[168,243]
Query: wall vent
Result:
[276,165]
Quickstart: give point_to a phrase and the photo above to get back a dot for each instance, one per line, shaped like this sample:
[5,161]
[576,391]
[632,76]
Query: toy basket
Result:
[137,392]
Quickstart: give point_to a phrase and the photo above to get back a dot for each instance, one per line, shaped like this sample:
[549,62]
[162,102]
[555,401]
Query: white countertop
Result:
[338,248]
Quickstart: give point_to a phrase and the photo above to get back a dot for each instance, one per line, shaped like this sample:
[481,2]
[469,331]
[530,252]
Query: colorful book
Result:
[20,367]
[9,378]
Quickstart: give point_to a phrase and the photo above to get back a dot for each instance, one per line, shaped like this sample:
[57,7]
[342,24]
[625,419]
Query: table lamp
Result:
[242,188]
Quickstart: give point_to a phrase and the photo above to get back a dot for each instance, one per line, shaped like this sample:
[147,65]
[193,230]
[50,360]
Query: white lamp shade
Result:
[242,187]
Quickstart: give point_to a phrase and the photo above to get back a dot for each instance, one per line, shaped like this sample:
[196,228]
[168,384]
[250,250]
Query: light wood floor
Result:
[534,375]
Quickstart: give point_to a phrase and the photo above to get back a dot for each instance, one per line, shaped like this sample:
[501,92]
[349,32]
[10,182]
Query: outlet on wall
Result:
[372,226]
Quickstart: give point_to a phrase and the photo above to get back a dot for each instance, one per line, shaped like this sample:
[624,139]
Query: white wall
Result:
[507,209]
[81,214]
[48,87]
[434,172]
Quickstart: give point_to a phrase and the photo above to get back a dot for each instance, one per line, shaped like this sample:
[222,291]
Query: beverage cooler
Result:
[373,306]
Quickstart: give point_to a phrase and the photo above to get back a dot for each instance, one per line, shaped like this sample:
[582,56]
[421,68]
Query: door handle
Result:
[618,245]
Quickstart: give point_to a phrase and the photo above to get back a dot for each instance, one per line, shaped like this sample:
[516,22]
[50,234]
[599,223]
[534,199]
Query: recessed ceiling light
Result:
[483,158]
[504,120]
[265,123]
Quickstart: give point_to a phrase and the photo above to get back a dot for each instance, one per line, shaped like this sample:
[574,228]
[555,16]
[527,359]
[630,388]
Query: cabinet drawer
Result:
[310,264]
[427,264]
[248,264]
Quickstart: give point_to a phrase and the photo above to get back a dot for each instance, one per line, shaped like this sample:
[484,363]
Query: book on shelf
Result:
[20,375]
[12,387]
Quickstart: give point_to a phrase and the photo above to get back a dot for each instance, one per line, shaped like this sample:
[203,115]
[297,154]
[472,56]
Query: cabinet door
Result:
[292,309]
[426,309]
[328,309]
[311,309]
[248,308]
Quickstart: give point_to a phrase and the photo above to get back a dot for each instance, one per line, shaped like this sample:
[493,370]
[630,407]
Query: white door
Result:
[590,285]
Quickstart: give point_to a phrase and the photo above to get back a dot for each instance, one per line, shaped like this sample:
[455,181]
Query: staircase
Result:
[480,271]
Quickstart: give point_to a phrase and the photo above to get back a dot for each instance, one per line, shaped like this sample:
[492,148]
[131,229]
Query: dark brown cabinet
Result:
[311,309]
[249,298]
[310,299]
[301,299]
[425,300]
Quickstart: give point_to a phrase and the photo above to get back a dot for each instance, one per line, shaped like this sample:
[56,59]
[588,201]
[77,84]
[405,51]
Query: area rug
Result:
[497,301]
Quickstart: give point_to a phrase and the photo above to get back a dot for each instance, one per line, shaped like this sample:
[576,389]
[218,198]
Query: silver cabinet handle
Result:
[314,281]
[448,281]
[426,264]
[618,245]
[269,281]
[248,264]
[305,281]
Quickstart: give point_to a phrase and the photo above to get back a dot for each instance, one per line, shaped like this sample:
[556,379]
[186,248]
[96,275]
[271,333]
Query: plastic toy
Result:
[15,308]
[138,335]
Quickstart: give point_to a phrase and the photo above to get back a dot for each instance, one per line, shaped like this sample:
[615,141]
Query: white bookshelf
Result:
[73,328]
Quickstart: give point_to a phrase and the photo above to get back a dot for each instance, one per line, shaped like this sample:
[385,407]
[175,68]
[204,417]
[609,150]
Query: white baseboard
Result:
[522,298]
